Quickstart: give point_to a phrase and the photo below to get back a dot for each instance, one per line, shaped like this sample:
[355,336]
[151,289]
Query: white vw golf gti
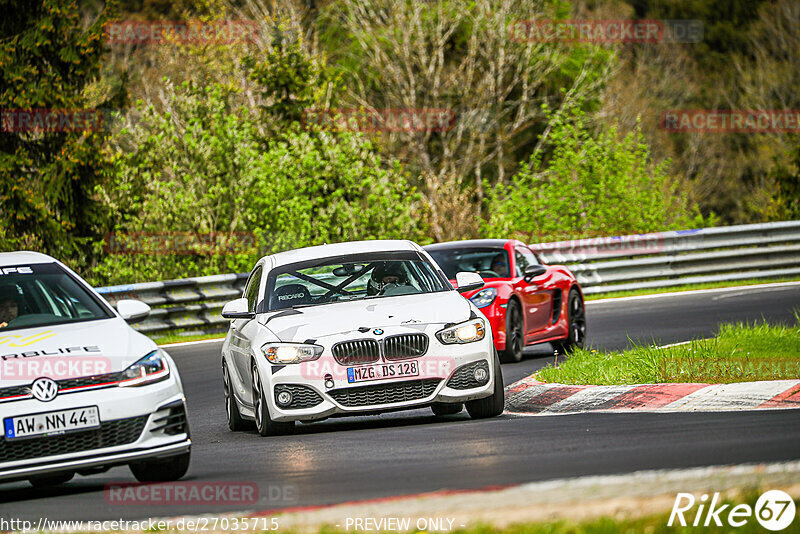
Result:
[80,390]
[355,328]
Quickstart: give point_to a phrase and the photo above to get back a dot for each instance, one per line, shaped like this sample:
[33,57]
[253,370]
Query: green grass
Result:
[688,287]
[178,338]
[738,353]
[654,524]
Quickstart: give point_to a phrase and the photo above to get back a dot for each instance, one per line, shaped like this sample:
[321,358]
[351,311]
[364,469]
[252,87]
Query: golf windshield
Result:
[353,277]
[44,295]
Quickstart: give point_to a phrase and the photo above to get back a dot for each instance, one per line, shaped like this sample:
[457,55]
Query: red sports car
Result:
[525,301]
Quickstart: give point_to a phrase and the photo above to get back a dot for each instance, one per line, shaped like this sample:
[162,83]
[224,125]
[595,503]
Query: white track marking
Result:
[727,397]
[781,285]
[587,399]
[190,343]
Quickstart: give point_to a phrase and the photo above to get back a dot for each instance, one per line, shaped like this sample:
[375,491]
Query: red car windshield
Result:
[488,262]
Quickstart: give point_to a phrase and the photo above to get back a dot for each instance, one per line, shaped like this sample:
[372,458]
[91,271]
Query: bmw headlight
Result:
[282,353]
[151,368]
[473,330]
[484,297]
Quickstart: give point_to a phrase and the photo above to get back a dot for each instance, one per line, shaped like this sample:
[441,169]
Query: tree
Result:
[289,79]
[49,177]
[469,58]
[201,167]
[594,184]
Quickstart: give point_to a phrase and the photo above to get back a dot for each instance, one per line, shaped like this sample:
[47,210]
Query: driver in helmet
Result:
[384,276]
[500,265]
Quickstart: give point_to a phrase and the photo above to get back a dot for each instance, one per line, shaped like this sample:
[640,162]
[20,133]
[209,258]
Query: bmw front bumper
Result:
[446,376]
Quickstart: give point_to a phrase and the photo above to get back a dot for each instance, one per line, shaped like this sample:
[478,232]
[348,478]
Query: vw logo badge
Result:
[44,389]
[378,331]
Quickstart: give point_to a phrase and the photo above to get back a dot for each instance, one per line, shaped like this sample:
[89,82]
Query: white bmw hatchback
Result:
[80,390]
[352,329]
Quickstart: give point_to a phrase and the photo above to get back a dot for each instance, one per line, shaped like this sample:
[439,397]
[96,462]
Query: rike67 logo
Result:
[774,510]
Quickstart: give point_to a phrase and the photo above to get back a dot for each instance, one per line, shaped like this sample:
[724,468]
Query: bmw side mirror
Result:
[532,271]
[468,281]
[237,309]
[132,310]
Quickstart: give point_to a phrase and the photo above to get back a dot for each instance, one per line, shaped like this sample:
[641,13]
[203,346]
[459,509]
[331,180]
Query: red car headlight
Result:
[484,297]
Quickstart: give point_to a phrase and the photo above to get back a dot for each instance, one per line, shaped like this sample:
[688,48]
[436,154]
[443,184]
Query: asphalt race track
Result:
[403,453]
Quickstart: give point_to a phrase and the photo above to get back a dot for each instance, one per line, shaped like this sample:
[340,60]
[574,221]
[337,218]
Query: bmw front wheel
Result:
[264,424]
[493,405]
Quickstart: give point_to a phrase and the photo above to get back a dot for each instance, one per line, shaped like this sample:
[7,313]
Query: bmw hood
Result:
[413,311]
[70,350]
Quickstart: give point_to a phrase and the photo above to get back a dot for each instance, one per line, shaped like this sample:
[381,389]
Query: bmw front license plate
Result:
[50,423]
[384,370]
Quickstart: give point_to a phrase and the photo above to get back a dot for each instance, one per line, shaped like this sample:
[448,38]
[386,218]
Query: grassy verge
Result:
[654,524]
[739,353]
[178,338]
[689,287]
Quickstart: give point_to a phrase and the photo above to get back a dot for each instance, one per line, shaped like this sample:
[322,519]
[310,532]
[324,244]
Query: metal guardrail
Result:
[670,259]
[190,303]
[601,265]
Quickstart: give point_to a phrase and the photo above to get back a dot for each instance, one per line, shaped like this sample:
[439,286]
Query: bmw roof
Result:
[341,249]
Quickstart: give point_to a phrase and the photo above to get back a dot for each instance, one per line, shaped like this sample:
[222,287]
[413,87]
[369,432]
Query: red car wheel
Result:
[515,333]
[576,324]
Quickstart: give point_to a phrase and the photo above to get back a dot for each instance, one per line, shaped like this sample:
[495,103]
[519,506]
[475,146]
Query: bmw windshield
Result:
[44,295]
[352,277]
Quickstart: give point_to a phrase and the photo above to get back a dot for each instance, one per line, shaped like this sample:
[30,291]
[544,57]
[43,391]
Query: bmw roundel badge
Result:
[378,331]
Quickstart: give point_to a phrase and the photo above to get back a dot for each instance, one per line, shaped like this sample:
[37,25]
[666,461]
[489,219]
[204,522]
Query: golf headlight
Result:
[282,353]
[484,297]
[151,368]
[473,330]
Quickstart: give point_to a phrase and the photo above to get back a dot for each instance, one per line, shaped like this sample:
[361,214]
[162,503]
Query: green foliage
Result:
[203,167]
[592,185]
[321,188]
[49,179]
[289,79]
[724,25]
[787,180]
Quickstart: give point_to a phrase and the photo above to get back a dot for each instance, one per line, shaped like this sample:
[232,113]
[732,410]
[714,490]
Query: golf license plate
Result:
[50,423]
[384,370]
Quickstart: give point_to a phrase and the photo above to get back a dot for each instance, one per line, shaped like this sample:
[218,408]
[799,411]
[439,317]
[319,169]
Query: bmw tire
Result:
[493,405]
[264,424]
